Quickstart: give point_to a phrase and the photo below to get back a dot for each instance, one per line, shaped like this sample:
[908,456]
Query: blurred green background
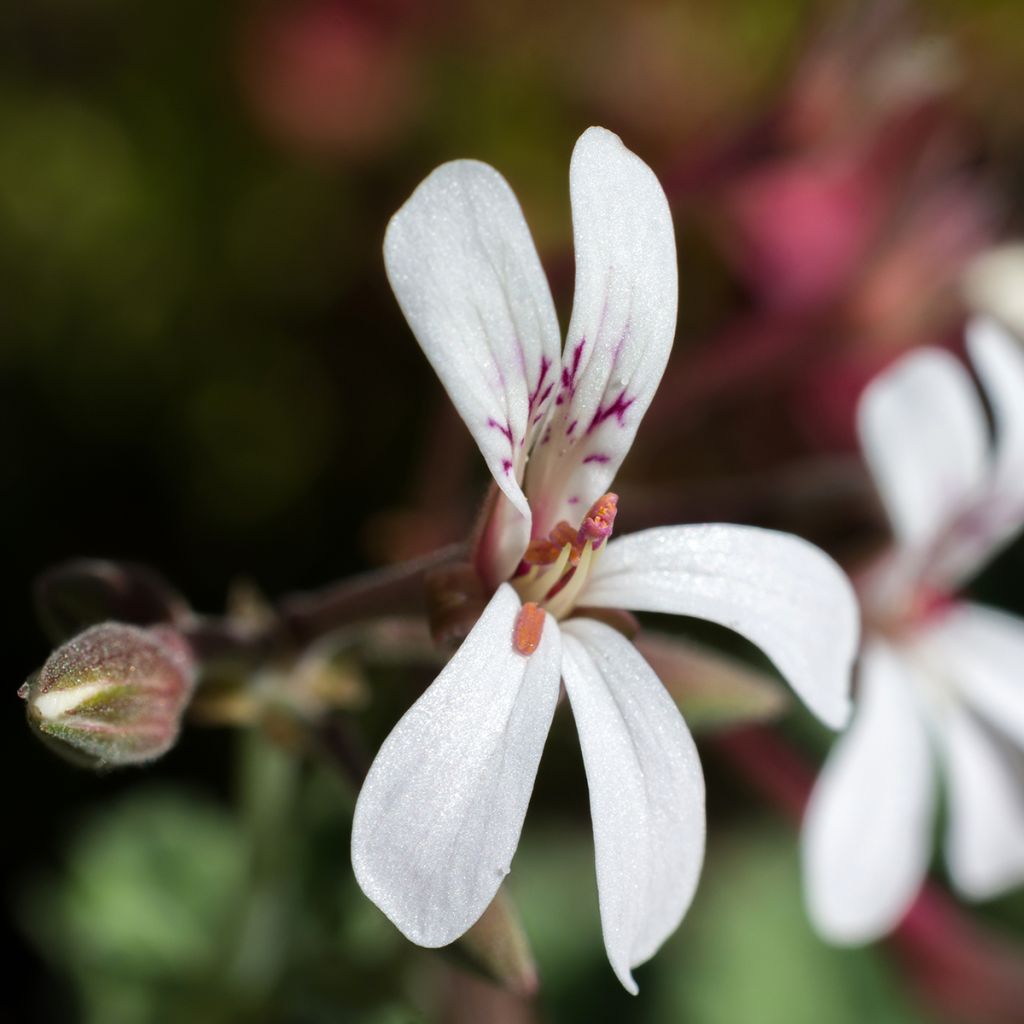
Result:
[202,368]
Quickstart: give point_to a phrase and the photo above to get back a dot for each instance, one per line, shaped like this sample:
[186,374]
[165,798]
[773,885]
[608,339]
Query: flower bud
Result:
[114,695]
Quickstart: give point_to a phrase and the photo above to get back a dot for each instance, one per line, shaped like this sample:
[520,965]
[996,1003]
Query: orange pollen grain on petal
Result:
[528,628]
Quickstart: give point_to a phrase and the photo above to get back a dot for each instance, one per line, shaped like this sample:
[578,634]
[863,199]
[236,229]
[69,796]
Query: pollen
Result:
[528,628]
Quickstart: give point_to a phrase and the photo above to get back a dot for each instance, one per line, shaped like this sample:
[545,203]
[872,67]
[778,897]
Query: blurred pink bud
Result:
[332,76]
[114,695]
[800,228]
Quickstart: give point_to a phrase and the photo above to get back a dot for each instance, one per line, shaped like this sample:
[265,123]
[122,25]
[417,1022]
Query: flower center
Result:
[555,569]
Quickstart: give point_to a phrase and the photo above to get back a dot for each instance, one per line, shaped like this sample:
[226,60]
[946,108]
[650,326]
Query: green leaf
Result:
[145,909]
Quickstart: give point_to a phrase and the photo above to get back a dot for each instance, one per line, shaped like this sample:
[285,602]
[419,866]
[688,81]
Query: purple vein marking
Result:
[570,373]
[617,409]
[597,457]
[536,398]
[506,465]
[503,429]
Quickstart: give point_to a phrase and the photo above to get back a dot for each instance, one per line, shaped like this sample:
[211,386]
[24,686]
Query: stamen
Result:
[540,579]
[529,626]
[547,579]
[598,523]
[542,551]
[562,534]
[565,598]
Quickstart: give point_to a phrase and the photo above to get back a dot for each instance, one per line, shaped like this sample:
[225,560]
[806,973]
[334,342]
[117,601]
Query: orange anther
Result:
[541,551]
[562,534]
[528,628]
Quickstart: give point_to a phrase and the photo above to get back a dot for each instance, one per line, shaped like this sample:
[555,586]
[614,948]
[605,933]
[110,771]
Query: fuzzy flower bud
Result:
[114,695]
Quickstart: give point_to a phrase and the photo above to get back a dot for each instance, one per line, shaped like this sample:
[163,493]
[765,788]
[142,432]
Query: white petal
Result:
[999,359]
[985,839]
[781,593]
[464,269]
[981,651]
[646,792]
[924,436]
[867,832]
[439,815]
[623,322]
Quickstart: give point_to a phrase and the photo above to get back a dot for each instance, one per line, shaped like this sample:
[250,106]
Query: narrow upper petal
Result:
[981,652]
[867,832]
[646,792]
[781,593]
[439,815]
[985,838]
[999,359]
[924,436]
[464,269]
[620,334]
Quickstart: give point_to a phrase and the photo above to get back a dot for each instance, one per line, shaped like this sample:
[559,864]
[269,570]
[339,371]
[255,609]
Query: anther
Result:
[528,628]
[542,551]
[562,534]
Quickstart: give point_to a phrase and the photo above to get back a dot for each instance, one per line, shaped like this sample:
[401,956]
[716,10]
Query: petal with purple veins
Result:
[465,271]
[621,331]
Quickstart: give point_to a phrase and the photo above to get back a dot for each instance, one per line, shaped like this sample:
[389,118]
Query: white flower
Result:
[440,813]
[941,682]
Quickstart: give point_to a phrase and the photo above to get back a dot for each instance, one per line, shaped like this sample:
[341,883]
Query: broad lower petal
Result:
[464,269]
[621,331]
[781,593]
[439,815]
[646,792]
[866,838]
[925,439]
[985,838]
[981,651]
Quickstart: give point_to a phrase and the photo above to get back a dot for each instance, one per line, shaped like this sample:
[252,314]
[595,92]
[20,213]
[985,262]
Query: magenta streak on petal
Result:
[536,397]
[570,373]
[569,429]
[617,409]
[506,465]
[574,500]
[597,457]
[506,430]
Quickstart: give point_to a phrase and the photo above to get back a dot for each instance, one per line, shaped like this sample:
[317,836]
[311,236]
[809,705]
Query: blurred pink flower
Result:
[333,76]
